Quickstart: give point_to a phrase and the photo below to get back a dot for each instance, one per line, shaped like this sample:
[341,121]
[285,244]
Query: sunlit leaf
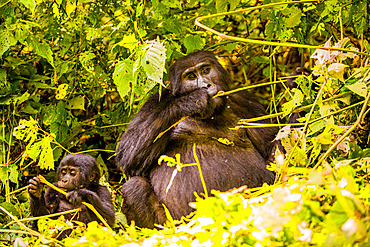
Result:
[294,17]
[30,4]
[293,103]
[14,173]
[6,41]
[128,41]
[46,157]
[41,48]
[194,42]
[154,61]
[336,70]
[76,103]
[359,87]
[86,59]
[124,77]
[26,130]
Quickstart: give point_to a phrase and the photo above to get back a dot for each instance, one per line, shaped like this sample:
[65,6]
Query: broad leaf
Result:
[6,41]
[76,103]
[296,101]
[46,157]
[294,17]
[86,60]
[154,61]
[41,49]
[359,87]
[30,4]
[128,41]
[124,77]
[194,42]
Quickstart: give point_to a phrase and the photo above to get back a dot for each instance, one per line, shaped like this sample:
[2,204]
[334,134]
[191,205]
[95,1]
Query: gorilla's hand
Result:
[200,104]
[75,197]
[35,187]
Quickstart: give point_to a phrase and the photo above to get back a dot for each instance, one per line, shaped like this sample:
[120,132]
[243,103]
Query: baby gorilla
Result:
[79,176]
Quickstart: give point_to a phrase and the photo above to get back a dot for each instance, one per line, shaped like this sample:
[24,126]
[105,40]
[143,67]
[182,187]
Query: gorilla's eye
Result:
[63,171]
[191,76]
[206,70]
[73,172]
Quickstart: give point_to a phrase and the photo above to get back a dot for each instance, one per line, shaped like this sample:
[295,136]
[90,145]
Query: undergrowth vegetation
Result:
[73,73]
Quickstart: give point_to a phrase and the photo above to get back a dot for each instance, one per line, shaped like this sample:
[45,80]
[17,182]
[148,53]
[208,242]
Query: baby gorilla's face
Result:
[69,178]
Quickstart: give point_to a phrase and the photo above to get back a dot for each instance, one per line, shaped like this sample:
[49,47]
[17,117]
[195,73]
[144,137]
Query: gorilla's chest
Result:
[210,132]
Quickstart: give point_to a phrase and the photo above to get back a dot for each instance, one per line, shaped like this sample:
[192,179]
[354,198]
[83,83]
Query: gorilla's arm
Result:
[38,205]
[137,150]
[99,197]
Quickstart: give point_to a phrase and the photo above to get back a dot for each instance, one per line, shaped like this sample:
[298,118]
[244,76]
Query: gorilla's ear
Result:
[91,177]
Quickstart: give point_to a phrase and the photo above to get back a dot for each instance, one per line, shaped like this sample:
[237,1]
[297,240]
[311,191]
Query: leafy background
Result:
[73,74]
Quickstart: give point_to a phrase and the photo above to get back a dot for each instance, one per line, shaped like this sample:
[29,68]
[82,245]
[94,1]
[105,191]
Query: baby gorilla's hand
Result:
[35,187]
[74,197]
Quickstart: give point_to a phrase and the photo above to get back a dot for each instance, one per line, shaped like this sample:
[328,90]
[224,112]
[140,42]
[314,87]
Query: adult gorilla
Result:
[195,79]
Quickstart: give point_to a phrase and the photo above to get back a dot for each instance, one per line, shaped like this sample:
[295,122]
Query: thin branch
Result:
[263,42]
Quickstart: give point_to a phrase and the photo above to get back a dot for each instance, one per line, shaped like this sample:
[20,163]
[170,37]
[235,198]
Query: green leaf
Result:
[296,101]
[294,18]
[86,60]
[270,28]
[46,157]
[23,98]
[194,42]
[41,49]
[3,76]
[121,218]
[4,173]
[337,215]
[33,151]
[40,85]
[221,5]
[29,109]
[233,4]
[128,41]
[14,174]
[173,26]
[10,208]
[154,61]
[139,10]
[360,16]
[6,41]
[30,4]
[26,130]
[124,77]
[261,59]
[76,103]
[50,115]
[359,87]
[316,126]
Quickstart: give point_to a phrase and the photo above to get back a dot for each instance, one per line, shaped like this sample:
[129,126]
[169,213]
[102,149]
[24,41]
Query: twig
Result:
[173,125]
[263,42]
[45,216]
[354,126]
[29,230]
[200,171]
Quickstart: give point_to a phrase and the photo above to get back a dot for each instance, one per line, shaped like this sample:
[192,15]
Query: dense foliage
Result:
[73,73]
